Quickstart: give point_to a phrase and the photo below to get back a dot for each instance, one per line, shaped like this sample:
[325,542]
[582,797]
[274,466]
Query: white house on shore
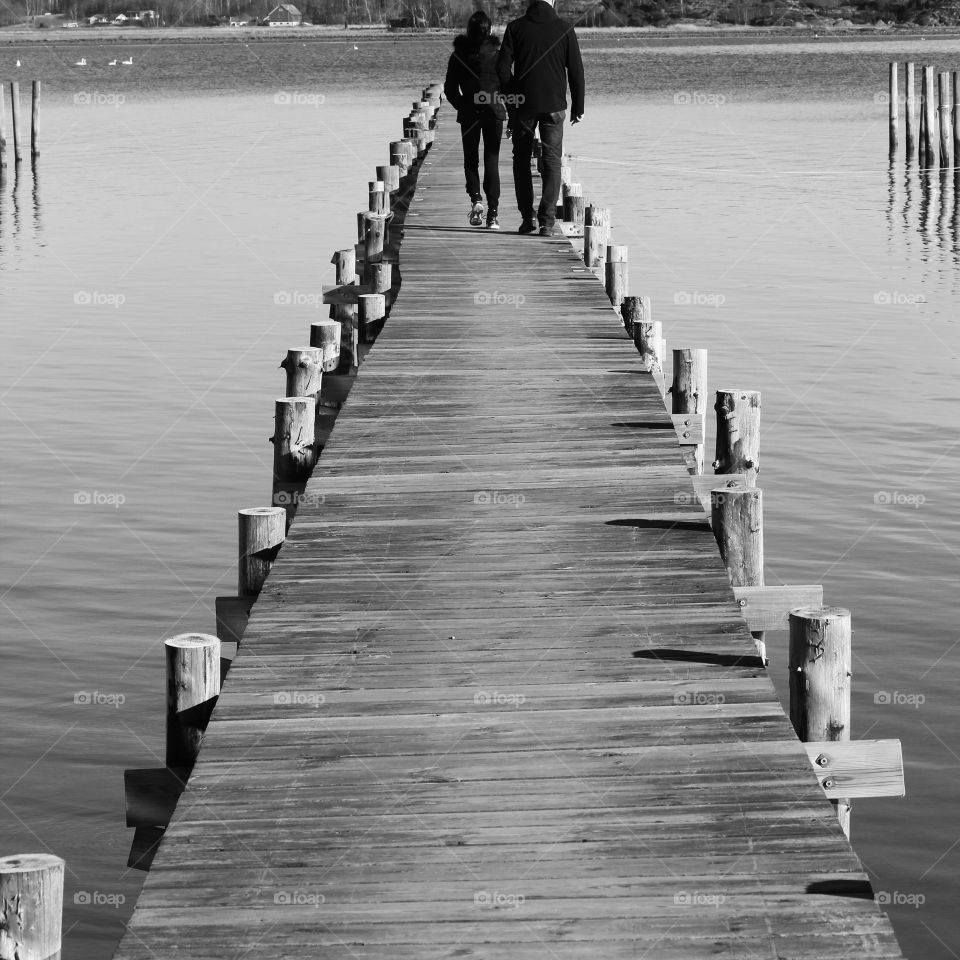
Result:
[284,15]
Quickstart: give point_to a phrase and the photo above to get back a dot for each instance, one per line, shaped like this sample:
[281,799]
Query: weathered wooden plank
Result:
[858,768]
[767,608]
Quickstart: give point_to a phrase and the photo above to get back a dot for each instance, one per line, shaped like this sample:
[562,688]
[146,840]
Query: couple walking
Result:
[523,81]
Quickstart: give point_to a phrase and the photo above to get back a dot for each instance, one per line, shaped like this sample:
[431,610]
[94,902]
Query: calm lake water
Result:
[175,199]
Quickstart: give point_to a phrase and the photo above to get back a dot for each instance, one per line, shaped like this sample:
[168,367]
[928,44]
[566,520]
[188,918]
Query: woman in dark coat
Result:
[472,87]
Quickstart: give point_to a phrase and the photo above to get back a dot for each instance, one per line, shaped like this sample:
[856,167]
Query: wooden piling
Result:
[634,310]
[930,134]
[615,274]
[261,532]
[573,208]
[738,433]
[380,279]
[956,116]
[820,669]
[689,392]
[596,233]
[15,111]
[304,371]
[379,197]
[736,516]
[325,335]
[648,339]
[894,109]
[294,451]
[31,906]
[35,120]
[946,124]
[349,357]
[193,684]
[910,111]
[390,175]
[3,129]
[345,262]
[399,156]
[372,309]
[375,231]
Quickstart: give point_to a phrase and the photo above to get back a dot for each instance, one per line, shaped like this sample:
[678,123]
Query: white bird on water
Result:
[127,63]
[112,63]
[82,62]
[18,63]
[355,47]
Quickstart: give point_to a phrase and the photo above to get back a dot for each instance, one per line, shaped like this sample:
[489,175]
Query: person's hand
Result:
[577,118]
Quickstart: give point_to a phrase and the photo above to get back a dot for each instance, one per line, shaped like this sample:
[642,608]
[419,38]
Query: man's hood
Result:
[540,12]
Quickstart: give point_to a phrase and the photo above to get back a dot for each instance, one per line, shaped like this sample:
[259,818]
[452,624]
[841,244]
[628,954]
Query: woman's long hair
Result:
[478,28]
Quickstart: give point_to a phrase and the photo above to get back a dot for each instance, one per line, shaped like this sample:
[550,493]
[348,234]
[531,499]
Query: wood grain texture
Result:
[497,699]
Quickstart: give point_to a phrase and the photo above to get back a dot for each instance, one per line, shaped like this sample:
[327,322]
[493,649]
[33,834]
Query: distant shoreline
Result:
[681,30]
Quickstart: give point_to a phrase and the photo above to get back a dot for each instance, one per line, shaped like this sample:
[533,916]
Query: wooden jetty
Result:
[496,698]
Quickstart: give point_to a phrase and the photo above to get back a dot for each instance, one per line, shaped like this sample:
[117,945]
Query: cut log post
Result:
[304,370]
[946,124]
[375,231]
[931,136]
[31,906]
[634,310]
[738,433]
[380,280]
[372,310]
[390,175]
[15,116]
[345,262]
[261,532]
[379,198]
[35,120]
[573,208]
[689,392]
[648,339]
[922,127]
[615,274]
[820,670]
[325,335]
[596,233]
[910,112]
[349,344]
[955,119]
[294,451]
[3,129]
[193,684]
[399,157]
[894,109]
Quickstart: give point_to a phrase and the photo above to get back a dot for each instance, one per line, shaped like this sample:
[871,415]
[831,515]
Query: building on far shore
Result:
[284,15]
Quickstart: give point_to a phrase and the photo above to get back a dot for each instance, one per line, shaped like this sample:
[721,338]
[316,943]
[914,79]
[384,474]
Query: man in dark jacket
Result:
[538,58]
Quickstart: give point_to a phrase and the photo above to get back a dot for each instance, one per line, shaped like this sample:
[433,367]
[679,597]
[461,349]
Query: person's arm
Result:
[505,60]
[575,76]
[451,84]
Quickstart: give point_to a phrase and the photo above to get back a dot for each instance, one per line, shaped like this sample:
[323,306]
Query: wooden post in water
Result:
[3,129]
[648,339]
[35,120]
[294,451]
[15,112]
[260,534]
[345,262]
[820,669]
[930,135]
[325,335]
[193,683]
[372,309]
[736,516]
[946,125]
[399,156]
[894,109]
[390,175]
[31,906]
[379,198]
[922,144]
[956,116]
[689,392]
[615,274]
[738,433]
[910,111]
[634,310]
[573,208]
[375,231]
[304,371]
[596,233]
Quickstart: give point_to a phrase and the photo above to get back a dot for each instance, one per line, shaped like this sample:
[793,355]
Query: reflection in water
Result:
[12,220]
[36,198]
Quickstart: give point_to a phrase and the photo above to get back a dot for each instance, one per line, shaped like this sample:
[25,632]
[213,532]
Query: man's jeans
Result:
[551,141]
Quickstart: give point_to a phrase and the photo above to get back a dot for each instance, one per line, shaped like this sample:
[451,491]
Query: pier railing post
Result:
[738,433]
[260,534]
[820,669]
[31,906]
[375,229]
[399,156]
[689,392]
[573,208]
[304,369]
[894,109]
[372,309]
[946,125]
[325,335]
[193,684]
[930,136]
[615,274]
[596,234]
[294,450]
[378,197]
[389,174]
[35,120]
[15,116]
[910,112]
[634,310]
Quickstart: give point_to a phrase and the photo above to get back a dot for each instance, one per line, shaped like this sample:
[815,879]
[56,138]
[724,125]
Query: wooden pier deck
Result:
[496,699]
